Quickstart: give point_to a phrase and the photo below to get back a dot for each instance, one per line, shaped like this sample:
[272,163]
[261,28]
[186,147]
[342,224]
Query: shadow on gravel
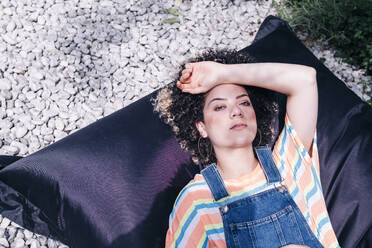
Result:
[92,42]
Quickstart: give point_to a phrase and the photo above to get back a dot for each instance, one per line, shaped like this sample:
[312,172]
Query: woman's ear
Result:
[201,128]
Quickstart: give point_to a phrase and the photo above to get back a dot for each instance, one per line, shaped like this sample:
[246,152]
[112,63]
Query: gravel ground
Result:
[66,64]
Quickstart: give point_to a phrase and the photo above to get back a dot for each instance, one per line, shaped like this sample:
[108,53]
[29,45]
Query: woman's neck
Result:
[233,163]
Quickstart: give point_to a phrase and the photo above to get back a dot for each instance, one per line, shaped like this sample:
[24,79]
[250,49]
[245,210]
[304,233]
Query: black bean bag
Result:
[113,183]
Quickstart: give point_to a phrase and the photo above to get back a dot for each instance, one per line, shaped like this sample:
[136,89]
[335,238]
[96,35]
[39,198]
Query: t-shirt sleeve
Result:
[289,145]
[185,228]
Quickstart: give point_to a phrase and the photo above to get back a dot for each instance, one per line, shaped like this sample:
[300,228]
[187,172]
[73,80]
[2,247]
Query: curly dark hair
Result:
[181,110]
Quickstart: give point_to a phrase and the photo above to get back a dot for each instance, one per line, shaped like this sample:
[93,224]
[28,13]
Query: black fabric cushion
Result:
[7,160]
[113,183]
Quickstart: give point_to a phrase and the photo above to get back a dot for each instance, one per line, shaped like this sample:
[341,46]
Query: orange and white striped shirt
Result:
[196,221]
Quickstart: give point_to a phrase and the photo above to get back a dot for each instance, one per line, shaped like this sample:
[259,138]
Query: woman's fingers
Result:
[188,88]
[179,85]
[199,77]
[189,82]
[186,70]
[188,66]
[183,86]
[186,74]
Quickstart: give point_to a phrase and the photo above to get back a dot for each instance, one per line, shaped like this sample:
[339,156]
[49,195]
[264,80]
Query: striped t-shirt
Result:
[196,221]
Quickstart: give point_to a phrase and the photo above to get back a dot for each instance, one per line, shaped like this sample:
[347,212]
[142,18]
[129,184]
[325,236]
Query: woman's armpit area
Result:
[310,151]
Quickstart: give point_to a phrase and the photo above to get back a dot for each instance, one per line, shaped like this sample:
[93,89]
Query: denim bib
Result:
[269,218]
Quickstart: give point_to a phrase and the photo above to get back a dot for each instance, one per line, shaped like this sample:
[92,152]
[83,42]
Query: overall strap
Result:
[265,157]
[215,182]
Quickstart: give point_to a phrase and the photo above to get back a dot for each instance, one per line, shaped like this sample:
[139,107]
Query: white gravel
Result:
[66,64]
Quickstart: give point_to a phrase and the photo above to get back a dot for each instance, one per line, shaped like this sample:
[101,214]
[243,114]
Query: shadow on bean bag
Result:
[7,160]
[113,183]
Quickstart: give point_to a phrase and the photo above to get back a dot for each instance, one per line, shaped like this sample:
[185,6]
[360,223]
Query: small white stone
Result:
[21,131]
[28,234]
[92,97]
[48,138]
[2,46]
[71,90]
[42,240]
[20,234]
[5,84]
[11,26]
[18,243]
[59,134]
[35,86]
[6,124]
[7,11]
[36,132]
[12,231]
[51,123]
[51,243]
[74,117]
[11,150]
[4,132]
[36,74]
[30,95]
[64,115]
[37,121]
[9,39]
[4,242]
[46,94]
[15,224]
[34,243]
[70,126]
[22,147]
[59,124]
[9,112]
[142,55]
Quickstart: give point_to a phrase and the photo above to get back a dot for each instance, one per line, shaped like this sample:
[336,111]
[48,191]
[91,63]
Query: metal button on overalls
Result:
[224,209]
[281,189]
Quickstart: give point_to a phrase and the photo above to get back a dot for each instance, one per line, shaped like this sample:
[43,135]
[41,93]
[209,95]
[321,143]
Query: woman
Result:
[247,195]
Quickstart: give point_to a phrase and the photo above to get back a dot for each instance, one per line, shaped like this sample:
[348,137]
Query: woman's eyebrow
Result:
[240,96]
[219,98]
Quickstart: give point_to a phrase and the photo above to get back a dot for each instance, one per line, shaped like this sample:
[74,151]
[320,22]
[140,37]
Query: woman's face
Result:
[229,117]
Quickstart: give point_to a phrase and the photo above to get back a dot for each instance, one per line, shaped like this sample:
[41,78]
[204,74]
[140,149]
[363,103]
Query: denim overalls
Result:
[269,218]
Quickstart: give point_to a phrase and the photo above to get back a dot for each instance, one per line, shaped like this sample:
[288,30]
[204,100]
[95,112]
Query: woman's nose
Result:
[236,111]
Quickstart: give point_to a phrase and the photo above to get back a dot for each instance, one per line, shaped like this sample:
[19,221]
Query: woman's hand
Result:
[200,77]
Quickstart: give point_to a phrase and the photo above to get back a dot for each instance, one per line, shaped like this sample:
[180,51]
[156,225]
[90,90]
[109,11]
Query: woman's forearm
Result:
[284,78]
[298,82]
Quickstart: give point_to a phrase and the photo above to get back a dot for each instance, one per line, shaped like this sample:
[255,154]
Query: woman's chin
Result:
[242,143]
[242,140]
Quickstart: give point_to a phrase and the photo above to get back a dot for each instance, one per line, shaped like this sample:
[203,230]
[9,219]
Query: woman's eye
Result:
[246,103]
[218,108]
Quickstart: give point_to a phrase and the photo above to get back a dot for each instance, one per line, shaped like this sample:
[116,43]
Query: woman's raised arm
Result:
[298,82]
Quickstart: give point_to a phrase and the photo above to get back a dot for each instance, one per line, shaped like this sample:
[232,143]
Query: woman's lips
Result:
[239,126]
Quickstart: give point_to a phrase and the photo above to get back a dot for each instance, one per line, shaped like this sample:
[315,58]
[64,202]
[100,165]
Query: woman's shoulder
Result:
[197,180]
[195,192]
[196,184]
[192,189]
[289,146]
